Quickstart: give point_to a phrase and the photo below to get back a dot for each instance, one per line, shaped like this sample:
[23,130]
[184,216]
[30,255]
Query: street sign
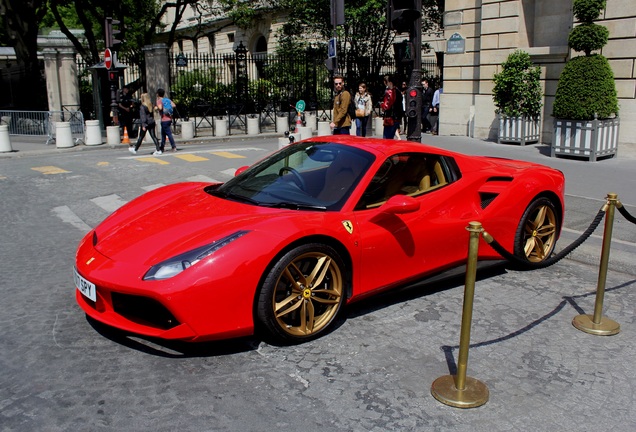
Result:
[300,106]
[108,59]
[332,48]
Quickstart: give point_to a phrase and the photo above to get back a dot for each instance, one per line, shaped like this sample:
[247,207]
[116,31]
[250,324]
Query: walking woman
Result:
[146,115]
[364,106]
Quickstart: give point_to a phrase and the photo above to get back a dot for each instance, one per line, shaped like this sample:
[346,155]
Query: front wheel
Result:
[537,232]
[302,294]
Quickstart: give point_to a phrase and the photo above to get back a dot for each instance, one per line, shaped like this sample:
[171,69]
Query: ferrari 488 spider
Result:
[288,241]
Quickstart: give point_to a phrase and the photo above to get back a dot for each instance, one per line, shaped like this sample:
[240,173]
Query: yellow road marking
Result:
[153,160]
[103,163]
[191,158]
[49,170]
[228,155]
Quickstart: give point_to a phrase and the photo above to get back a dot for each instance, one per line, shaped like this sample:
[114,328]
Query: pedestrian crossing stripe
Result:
[227,155]
[50,170]
[153,160]
[188,157]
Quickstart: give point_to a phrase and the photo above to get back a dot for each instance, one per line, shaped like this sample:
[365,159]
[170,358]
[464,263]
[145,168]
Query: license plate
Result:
[85,287]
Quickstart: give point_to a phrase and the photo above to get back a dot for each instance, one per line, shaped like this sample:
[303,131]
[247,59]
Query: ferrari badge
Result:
[348,226]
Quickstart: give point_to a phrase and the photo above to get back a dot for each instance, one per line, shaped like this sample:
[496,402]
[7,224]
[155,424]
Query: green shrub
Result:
[586,87]
[517,90]
[588,37]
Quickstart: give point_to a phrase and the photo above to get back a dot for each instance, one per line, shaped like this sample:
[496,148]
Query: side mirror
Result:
[240,170]
[400,204]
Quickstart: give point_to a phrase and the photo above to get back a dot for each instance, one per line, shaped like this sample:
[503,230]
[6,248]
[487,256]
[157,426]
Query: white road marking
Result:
[110,203]
[67,215]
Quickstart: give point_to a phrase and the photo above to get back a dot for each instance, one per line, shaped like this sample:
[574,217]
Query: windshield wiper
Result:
[294,206]
[235,197]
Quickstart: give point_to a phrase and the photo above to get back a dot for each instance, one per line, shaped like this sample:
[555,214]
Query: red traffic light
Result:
[413,93]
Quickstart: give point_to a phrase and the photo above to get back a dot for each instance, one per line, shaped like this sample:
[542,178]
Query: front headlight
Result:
[175,265]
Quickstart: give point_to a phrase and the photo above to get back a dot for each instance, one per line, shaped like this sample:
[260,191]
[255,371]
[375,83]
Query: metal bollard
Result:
[459,390]
[598,324]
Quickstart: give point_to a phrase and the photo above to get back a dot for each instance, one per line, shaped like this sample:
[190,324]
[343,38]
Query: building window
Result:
[230,37]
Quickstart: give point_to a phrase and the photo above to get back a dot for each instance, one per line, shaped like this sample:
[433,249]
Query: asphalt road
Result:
[62,372]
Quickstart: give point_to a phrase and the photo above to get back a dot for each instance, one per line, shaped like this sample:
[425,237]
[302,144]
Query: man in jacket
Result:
[341,123]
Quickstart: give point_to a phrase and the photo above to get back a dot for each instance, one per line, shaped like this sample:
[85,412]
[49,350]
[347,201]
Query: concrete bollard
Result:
[305,132]
[283,142]
[93,133]
[323,128]
[5,141]
[187,130]
[282,124]
[220,127]
[378,129]
[253,126]
[311,120]
[63,135]
[112,136]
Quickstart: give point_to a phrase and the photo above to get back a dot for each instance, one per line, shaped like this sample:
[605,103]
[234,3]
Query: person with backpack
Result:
[166,109]
[392,106]
[341,123]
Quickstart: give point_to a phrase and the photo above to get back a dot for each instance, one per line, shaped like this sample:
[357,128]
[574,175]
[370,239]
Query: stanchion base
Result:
[606,327]
[475,393]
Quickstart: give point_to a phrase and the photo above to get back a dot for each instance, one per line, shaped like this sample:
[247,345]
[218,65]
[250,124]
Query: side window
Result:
[404,174]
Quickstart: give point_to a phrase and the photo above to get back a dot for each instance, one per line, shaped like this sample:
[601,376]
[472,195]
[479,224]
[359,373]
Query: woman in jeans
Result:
[363,106]
[146,115]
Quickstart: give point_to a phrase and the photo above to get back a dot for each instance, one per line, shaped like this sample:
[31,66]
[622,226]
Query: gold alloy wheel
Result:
[308,294]
[540,234]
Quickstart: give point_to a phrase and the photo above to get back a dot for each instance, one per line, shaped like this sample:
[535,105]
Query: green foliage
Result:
[588,37]
[587,10]
[517,90]
[586,88]
[184,92]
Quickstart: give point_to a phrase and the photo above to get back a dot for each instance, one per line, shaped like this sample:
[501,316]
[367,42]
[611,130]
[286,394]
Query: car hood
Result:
[175,219]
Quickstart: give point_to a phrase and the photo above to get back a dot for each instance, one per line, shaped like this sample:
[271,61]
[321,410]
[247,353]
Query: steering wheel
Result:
[297,177]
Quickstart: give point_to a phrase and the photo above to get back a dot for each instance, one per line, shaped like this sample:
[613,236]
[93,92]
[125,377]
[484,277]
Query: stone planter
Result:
[282,124]
[253,126]
[521,130]
[589,139]
[93,133]
[323,128]
[220,126]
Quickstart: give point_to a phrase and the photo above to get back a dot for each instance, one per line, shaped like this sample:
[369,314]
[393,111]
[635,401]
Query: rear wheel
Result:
[302,294]
[537,231]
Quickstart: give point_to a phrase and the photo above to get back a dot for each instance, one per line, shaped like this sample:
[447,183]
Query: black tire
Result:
[537,232]
[302,294]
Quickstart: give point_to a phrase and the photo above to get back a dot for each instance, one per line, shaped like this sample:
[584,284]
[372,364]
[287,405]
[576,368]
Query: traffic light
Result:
[112,76]
[113,33]
[413,102]
[404,52]
[402,14]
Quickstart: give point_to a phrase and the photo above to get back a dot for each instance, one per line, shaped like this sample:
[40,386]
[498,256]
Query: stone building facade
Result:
[491,29]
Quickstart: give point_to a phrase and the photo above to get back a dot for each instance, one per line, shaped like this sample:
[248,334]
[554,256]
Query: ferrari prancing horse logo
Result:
[348,226]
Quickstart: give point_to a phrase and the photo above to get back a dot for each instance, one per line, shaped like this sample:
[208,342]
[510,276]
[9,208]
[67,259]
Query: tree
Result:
[21,20]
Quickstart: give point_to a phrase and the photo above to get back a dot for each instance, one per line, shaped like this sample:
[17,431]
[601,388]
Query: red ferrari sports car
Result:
[287,242]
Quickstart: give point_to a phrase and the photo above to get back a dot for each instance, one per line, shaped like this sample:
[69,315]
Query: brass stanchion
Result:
[459,390]
[597,324]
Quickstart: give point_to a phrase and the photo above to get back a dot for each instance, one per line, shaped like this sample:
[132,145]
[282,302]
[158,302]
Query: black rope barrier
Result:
[555,258]
[625,213]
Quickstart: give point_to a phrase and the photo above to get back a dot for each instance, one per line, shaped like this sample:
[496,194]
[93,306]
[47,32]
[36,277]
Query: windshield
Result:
[311,175]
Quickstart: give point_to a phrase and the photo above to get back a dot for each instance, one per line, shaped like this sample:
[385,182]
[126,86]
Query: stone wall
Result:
[492,29]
